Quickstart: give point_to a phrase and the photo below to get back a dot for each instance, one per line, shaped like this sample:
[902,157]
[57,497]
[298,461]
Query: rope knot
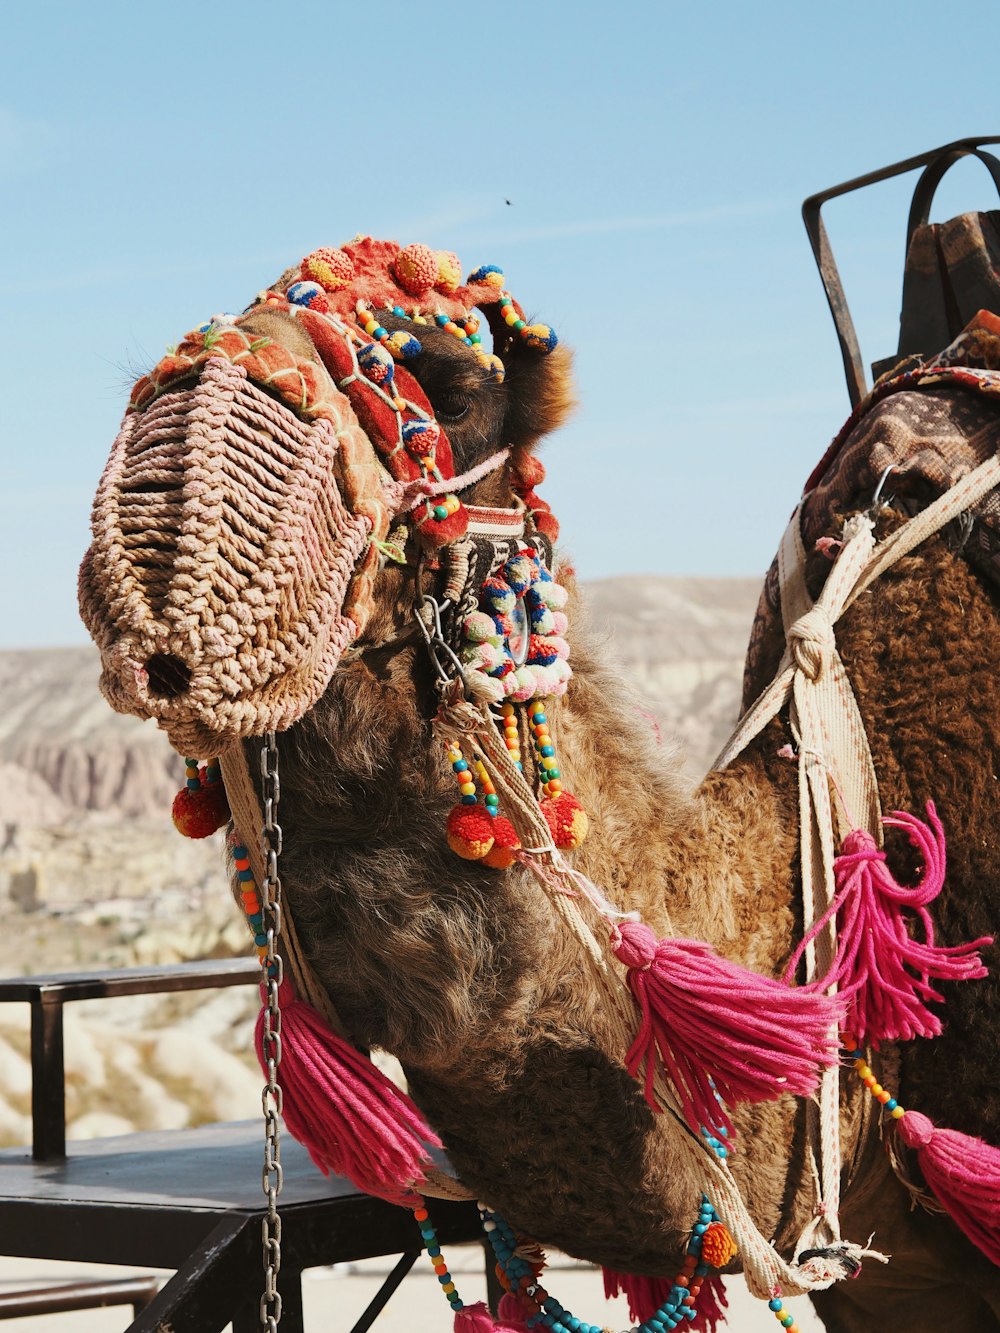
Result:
[812,642]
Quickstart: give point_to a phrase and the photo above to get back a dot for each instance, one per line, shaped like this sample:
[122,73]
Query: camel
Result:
[465,970]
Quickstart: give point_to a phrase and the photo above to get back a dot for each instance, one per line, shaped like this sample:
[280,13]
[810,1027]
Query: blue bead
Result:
[244,875]
[774,1304]
[539,720]
[460,765]
[722,1152]
[468,800]
[701,1270]
[891,1104]
[433,1251]
[399,311]
[260,939]
[723,1131]
[546,751]
[257,920]
[699,1228]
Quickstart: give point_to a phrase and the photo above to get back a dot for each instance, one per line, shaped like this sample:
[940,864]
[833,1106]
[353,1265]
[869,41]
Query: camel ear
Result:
[539,388]
[540,392]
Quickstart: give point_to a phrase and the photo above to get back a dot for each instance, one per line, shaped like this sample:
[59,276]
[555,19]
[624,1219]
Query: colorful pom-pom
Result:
[332,269]
[421,436]
[498,596]
[376,364]
[416,269]
[494,367]
[199,812]
[566,818]
[479,627]
[449,272]
[539,337]
[519,573]
[505,844]
[308,294]
[403,345]
[487,275]
[470,831]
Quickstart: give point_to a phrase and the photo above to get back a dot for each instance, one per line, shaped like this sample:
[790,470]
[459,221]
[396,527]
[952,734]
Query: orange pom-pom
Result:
[416,269]
[198,812]
[717,1246]
[470,831]
[566,818]
[505,844]
[332,269]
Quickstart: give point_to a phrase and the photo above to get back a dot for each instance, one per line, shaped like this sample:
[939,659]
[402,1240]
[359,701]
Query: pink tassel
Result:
[880,968]
[645,1295]
[719,1028]
[964,1174]
[512,1314]
[477,1319]
[351,1118]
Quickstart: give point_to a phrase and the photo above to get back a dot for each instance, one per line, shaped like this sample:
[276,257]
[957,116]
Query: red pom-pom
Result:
[505,844]
[198,812]
[416,269]
[470,831]
[566,818]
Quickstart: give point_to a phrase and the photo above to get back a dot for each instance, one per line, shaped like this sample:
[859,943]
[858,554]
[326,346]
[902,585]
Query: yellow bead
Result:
[864,1071]
[448,1288]
[898,1112]
[875,1089]
[468,789]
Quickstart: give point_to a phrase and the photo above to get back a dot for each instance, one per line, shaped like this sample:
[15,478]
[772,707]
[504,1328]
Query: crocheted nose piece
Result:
[227,575]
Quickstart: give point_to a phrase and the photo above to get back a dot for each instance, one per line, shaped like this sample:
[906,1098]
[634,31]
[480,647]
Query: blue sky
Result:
[158,164]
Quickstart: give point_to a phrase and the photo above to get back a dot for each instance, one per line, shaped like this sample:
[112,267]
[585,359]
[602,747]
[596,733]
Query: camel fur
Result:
[468,977]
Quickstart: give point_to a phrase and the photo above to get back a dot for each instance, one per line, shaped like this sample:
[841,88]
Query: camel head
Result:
[279,473]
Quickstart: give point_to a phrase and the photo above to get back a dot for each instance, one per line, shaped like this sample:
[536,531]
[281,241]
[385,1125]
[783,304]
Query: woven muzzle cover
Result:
[231,563]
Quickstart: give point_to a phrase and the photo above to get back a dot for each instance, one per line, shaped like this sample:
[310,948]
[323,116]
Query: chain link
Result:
[271,1175]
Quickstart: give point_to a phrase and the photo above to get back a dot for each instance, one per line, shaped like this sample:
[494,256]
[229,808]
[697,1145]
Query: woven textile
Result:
[231,563]
[935,423]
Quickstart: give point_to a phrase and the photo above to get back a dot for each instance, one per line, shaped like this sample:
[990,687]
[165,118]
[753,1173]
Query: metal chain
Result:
[270,1301]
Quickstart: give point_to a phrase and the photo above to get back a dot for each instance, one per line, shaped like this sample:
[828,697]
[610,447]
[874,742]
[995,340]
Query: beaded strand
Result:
[511,736]
[548,769]
[863,1070]
[433,1247]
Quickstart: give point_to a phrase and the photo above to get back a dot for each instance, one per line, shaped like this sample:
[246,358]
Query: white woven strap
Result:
[833,750]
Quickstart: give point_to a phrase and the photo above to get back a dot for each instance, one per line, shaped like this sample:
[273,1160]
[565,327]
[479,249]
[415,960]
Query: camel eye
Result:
[451,405]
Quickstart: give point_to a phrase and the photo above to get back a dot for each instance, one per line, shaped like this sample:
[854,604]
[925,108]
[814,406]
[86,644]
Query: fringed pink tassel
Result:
[710,1312]
[343,1109]
[512,1314]
[718,1027]
[882,971]
[477,1319]
[964,1174]
[645,1295]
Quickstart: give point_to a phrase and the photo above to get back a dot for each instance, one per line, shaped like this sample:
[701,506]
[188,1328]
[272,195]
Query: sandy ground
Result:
[335,1298]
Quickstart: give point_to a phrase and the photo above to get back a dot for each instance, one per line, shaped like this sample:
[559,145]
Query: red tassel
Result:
[198,812]
[645,1295]
[882,971]
[710,1311]
[964,1174]
[512,1313]
[343,1109]
[719,1028]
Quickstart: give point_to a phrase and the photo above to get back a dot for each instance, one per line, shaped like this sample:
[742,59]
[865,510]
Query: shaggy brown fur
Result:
[467,977]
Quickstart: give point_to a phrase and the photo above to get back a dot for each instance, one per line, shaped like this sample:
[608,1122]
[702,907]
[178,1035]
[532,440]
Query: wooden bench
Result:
[188,1200]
